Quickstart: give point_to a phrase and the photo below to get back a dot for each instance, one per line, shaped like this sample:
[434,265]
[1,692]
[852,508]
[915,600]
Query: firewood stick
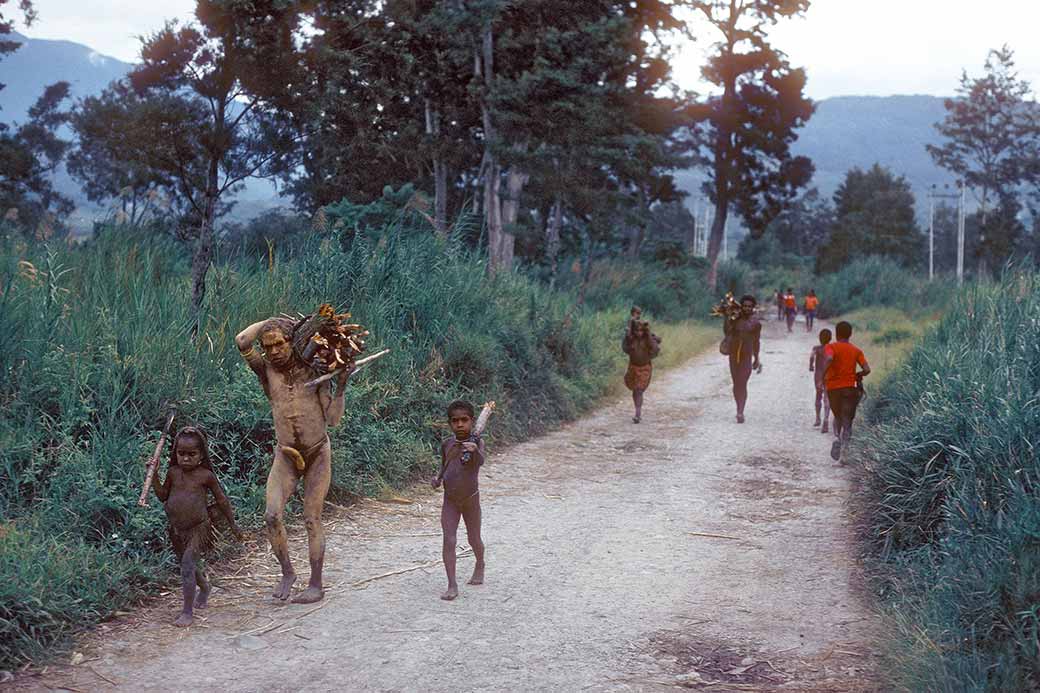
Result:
[357,365]
[153,462]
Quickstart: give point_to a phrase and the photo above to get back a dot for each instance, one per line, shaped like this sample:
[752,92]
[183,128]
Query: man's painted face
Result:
[276,348]
[189,452]
[461,423]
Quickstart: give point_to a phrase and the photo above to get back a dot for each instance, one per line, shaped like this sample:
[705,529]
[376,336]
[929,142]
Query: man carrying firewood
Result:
[302,415]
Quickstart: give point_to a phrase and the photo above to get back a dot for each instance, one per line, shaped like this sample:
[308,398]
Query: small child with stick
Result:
[462,455]
[815,361]
[184,494]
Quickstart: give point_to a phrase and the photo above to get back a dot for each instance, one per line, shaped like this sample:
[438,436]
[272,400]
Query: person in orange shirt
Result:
[790,308]
[810,305]
[844,384]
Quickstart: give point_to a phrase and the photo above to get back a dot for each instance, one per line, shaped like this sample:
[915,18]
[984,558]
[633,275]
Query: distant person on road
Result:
[810,306]
[744,336]
[844,384]
[790,308]
[779,305]
[816,368]
[642,346]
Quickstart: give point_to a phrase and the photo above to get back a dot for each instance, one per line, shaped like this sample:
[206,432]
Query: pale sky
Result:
[850,47]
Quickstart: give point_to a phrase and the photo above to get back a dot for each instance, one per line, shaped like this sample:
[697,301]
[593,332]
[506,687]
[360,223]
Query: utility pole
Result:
[960,235]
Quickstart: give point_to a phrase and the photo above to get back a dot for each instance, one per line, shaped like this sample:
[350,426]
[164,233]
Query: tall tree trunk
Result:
[515,181]
[200,261]
[718,227]
[484,67]
[440,172]
[552,239]
[586,263]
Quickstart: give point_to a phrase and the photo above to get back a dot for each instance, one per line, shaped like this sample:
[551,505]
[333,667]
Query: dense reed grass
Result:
[948,496]
[96,344]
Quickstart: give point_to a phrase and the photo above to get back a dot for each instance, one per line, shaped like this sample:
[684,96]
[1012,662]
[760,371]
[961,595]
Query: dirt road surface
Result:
[684,552]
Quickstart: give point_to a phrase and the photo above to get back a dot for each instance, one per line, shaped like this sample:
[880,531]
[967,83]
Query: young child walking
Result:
[462,455]
[810,306]
[815,367]
[642,347]
[790,308]
[189,479]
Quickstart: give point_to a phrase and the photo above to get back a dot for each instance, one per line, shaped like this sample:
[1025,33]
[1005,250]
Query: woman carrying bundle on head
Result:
[642,346]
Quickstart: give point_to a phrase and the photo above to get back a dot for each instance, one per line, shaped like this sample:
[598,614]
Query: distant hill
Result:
[39,62]
[849,131]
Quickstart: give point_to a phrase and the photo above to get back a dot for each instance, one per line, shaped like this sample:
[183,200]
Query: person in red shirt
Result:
[844,384]
[810,306]
[790,308]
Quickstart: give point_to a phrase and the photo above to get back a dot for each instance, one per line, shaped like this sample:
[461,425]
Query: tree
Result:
[744,131]
[875,216]
[805,225]
[115,132]
[219,84]
[29,154]
[7,26]
[991,133]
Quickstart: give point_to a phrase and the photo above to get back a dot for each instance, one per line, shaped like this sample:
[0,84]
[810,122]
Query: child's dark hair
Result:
[635,309]
[749,297]
[197,434]
[461,405]
[825,336]
[843,329]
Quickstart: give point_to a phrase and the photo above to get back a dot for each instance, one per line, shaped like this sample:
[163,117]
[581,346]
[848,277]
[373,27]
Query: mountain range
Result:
[844,132]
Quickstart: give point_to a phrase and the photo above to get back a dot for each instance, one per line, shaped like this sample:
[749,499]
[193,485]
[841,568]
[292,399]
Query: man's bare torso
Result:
[299,412]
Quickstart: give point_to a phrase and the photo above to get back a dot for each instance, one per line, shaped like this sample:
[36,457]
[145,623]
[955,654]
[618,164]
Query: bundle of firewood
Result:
[728,308]
[326,342]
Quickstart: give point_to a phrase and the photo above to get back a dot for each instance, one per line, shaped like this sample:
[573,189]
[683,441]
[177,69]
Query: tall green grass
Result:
[950,497]
[96,344]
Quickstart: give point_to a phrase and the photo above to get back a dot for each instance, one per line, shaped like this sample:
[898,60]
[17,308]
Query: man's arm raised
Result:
[245,339]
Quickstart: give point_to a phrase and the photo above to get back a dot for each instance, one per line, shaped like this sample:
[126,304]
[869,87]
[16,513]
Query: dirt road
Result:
[686,551]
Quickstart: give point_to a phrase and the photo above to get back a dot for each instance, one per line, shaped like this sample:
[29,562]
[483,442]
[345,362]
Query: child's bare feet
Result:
[825,428]
[450,593]
[184,620]
[309,596]
[202,598]
[478,575]
[284,588]
[817,421]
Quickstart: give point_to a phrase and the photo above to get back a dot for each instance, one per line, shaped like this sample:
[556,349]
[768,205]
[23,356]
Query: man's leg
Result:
[826,406]
[315,488]
[449,526]
[834,396]
[471,516]
[637,399]
[281,482]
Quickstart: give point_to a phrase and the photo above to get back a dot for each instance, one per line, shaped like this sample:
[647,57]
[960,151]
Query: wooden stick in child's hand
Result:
[357,365]
[153,461]
[479,426]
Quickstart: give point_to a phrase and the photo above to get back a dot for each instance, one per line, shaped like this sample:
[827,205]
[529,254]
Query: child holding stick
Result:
[189,479]
[462,455]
